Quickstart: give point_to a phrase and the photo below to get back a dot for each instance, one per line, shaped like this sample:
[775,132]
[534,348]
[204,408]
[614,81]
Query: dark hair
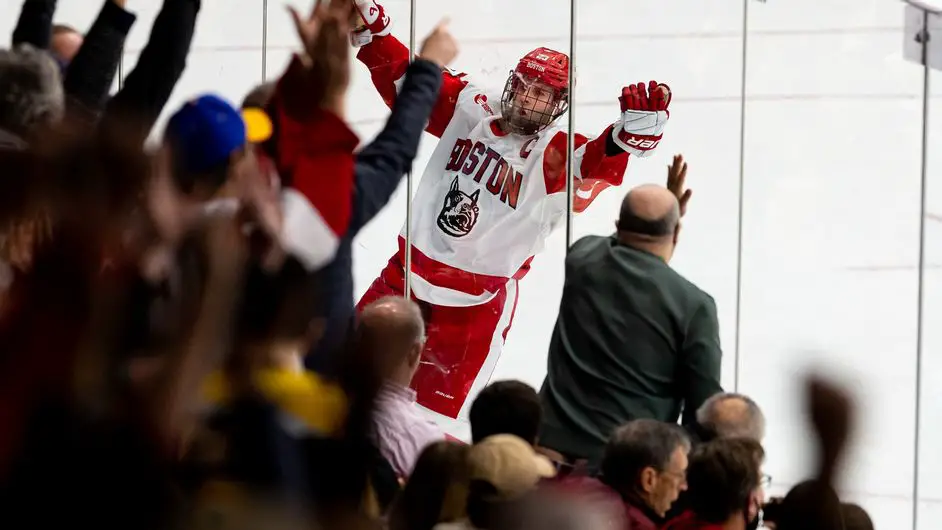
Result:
[440,477]
[637,445]
[811,505]
[260,96]
[855,517]
[278,305]
[722,475]
[187,180]
[506,407]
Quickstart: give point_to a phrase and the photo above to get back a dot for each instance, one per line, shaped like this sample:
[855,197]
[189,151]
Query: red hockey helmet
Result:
[547,66]
[537,91]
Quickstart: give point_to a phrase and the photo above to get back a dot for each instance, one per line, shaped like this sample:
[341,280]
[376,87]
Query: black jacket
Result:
[88,79]
[146,90]
[378,171]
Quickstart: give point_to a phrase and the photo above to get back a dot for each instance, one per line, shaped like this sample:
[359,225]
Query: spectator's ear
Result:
[416,355]
[648,479]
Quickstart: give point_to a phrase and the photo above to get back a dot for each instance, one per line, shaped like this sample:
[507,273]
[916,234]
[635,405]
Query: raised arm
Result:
[148,87]
[381,164]
[91,73]
[388,59]
[601,162]
[34,27]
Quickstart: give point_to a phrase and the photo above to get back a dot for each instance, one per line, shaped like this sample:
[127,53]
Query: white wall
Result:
[830,185]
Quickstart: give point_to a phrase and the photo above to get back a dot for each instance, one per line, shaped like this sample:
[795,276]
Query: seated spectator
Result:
[506,407]
[642,473]
[725,415]
[504,472]
[394,327]
[725,478]
[730,415]
[855,517]
[436,491]
[646,463]
[810,504]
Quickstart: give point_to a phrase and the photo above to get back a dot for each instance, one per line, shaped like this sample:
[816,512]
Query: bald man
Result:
[394,329]
[633,338]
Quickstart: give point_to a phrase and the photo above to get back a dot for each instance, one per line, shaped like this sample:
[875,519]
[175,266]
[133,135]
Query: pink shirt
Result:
[401,431]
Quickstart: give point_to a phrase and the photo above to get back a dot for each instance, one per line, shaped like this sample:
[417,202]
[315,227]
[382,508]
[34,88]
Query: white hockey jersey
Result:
[487,200]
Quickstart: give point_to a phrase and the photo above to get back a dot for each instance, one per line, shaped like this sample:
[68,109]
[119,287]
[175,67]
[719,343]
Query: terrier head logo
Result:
[460,212]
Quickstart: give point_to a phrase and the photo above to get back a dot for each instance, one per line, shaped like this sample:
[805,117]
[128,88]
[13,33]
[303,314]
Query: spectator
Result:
[90,71]
[646,463]
[90,62]
[504,472]
[725,478]
[506,407]
[642,472]
[808,505]
[855,517]
[65,44]
[393,327]
[208,140]
[437,490]
[32,91]
[633,339]
[730,415]
[725,415]
[378,170]
[146,89]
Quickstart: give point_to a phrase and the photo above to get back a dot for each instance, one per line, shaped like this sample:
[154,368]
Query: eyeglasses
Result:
[765,481]
[679,476]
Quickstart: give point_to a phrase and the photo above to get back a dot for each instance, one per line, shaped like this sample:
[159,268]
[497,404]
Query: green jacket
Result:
[633,340]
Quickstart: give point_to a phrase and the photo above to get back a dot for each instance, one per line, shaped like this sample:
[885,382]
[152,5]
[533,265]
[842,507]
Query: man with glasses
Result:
[641,474]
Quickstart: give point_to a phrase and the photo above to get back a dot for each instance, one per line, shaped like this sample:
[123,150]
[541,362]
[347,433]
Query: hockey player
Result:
[493,190]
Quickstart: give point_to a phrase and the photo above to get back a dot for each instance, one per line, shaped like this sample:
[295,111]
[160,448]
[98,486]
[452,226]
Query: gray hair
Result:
[747,423]
[31,92]
[637,445]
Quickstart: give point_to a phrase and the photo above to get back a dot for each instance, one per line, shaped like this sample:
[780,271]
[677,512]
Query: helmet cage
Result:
[530,121]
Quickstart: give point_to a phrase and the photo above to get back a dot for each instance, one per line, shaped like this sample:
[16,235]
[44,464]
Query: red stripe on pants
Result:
[459,341]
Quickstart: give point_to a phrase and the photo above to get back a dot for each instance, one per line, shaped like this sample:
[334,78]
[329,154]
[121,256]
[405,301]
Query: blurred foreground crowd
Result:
[158,304]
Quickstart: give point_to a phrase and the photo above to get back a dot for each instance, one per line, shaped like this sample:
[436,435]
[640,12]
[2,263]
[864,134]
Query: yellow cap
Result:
[258,126]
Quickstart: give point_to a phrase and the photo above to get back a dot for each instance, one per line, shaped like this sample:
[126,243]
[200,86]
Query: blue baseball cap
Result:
[208,129]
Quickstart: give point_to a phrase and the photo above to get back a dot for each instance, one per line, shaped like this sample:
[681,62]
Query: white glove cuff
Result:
[640,131]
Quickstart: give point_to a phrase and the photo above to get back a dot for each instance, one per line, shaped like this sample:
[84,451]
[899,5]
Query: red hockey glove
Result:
[644,116]
[375,23]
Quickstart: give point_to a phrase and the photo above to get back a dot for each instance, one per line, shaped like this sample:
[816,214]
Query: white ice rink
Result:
[829,161]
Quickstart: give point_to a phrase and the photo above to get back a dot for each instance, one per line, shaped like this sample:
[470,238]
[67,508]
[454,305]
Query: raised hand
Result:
[370,20]
[440,46]
[653,97]
[676,180]
[644,116]
[308,27]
